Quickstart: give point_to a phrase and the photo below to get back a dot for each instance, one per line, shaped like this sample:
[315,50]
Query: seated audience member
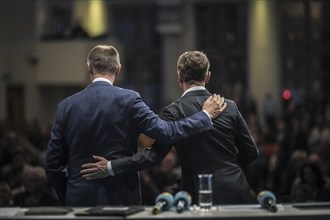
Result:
[311,175]
[302,193]
[37,191]
[6,196]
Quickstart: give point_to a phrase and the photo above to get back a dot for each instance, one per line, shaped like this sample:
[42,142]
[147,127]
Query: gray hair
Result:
[104,59]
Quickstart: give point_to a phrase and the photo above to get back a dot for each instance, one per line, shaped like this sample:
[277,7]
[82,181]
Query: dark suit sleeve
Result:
[57,159]
[146,158]
[247,148]
[167,132]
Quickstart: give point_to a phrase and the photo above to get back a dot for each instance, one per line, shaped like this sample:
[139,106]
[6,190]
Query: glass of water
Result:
[205,200]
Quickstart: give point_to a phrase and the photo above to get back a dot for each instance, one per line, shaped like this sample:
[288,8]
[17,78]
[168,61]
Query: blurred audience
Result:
[6,196]
[295,163]
[294,160]
[36,190]
[270,109]
[302,193]
[312,177]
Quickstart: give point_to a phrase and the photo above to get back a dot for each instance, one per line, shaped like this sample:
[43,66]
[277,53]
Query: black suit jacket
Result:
[222,151]
[105,120]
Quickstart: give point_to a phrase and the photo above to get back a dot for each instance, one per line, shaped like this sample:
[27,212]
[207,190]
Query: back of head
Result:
[193,66]
[34,179]
[103,59]
[311,173]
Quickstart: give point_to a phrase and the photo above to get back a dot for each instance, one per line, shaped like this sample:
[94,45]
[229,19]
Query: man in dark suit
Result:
[106,120]
[222,151]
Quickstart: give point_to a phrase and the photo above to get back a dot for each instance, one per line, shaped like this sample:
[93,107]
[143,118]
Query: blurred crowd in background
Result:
[294,160]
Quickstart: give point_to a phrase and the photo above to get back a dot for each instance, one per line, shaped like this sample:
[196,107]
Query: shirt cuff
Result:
[208,115]
[110,170]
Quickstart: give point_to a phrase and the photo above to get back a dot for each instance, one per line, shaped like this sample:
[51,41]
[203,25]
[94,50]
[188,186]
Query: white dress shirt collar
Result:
[195,88]
[99,79]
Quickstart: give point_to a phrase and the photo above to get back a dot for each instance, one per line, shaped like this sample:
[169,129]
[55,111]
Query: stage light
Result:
[286,95]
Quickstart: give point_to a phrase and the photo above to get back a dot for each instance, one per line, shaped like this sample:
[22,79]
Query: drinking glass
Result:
[205,200]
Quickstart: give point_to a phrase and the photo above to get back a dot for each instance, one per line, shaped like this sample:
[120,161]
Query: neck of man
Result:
[110,77]
[186,86]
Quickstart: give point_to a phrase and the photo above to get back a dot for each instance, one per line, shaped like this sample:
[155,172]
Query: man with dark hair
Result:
[106,120]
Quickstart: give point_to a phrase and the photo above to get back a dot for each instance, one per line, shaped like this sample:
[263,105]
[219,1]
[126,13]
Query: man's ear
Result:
[89,69]
[207,77]
[180,80]
[118,70]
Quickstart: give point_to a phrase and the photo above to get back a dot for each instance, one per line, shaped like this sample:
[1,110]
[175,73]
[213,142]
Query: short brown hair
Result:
[193,66]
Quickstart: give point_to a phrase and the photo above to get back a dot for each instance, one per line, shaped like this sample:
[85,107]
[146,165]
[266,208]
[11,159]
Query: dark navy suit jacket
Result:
[105,120]
[222,151]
